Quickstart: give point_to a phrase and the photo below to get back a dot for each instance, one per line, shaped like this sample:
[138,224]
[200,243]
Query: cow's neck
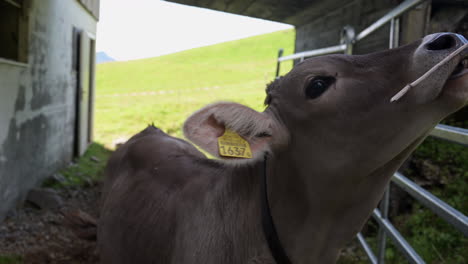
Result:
[315,212]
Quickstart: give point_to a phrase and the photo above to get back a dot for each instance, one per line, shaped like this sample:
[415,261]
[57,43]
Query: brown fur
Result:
[330,160]
[270,90]
[208,203]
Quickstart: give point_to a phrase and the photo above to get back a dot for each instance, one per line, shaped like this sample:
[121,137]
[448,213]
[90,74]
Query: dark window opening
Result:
[76,54]
[12,30]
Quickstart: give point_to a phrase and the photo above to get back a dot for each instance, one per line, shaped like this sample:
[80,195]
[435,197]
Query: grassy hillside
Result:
[166,89]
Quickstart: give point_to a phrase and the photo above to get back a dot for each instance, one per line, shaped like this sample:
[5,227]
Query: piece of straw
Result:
[405,89]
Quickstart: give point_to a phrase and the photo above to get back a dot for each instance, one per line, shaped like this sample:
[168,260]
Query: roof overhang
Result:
[295,12]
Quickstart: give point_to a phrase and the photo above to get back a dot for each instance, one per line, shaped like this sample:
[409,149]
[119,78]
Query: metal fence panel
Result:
[445,211]
[398,239]
[450,133]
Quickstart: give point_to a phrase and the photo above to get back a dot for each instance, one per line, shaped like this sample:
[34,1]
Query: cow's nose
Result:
[446,41]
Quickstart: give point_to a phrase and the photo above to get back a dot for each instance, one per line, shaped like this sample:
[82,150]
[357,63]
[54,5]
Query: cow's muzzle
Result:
[444,42]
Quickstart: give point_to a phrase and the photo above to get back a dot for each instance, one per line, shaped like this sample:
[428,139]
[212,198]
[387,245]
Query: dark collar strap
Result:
[269,230]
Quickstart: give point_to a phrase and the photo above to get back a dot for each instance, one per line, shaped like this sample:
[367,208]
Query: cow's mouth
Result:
[460,70]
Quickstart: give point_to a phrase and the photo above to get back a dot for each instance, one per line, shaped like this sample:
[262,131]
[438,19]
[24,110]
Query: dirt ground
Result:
[40,236]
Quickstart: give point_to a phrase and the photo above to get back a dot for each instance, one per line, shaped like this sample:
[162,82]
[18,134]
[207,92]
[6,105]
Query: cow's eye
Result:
[318,85]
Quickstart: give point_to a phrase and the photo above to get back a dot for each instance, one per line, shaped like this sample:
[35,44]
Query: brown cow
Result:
[332,139]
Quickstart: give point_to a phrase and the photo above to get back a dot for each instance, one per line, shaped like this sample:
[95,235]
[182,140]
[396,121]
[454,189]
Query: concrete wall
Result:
[37,100]
[92,6]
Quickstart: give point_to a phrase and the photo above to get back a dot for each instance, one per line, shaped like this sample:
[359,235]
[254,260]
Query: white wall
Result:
[37,100]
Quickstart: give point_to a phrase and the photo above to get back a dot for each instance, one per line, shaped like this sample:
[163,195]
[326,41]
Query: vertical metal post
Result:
[382,236]
[280,53]
[348,36]
[349,49]
[394,33]
[384,204]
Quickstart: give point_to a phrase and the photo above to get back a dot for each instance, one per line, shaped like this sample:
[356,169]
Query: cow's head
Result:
[335,110]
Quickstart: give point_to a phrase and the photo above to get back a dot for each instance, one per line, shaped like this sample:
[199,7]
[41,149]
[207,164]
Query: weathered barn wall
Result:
[326,21]
[92,6]
[452,18]
[324,30]
[37,100]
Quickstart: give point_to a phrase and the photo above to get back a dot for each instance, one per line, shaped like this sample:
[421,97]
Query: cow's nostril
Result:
[442,42]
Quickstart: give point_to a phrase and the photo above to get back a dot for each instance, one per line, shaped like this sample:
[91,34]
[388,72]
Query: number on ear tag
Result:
[230,144]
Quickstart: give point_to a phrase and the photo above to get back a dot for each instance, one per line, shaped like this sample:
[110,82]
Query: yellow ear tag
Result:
[230,144]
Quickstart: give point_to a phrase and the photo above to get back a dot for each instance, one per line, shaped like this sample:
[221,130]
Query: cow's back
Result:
[147,152]
[144,179]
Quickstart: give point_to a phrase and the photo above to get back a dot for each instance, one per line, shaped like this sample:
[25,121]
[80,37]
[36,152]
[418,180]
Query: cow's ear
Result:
[205,126]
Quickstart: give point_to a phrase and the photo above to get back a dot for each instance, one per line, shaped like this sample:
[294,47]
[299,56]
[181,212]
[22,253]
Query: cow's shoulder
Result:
[153,152]
[152,146]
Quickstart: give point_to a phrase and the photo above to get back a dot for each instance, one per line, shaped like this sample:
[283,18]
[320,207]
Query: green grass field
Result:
[166,90]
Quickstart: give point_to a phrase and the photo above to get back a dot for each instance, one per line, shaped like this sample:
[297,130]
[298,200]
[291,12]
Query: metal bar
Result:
[398,239]
[398,11]
[391,41]
[13,3]
[311,53]
[347,37]
[382,236]
[280,53]
[349,49]
[384,204]
[367,248]
[450,133]
[394,33]
[445,211]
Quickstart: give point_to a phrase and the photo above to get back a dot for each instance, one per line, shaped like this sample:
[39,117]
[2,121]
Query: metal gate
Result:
[453,134]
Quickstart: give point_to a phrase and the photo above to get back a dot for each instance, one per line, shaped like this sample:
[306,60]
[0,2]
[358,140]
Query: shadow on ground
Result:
[35,232]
